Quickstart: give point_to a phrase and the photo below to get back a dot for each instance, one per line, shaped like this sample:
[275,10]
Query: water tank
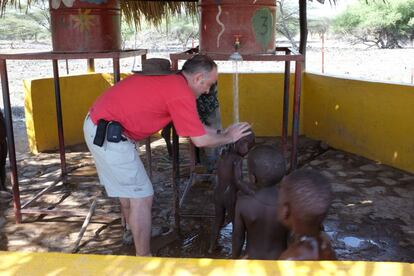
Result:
[85,26]
[252,20]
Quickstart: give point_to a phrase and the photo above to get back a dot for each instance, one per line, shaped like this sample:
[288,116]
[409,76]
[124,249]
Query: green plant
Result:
[385,25]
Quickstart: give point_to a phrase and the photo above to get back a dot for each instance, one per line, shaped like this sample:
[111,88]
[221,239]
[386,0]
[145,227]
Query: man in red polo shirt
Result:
[143,104]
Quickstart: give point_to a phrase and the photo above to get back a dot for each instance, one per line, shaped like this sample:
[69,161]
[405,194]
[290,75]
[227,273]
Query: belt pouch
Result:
[114,132]
[100,133]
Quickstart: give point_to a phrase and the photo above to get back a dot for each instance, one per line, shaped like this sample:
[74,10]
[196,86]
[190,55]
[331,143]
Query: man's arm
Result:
[239,230]
[230,135]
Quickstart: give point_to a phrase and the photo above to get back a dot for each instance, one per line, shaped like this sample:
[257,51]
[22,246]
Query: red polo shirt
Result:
[145,104]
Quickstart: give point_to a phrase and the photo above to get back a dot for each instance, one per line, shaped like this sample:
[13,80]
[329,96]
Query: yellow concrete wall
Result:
[77,95]
[26,263]
[374,120]
[371,119]
[260,101]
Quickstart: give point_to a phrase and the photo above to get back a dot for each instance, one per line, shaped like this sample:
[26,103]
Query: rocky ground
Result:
[370,218]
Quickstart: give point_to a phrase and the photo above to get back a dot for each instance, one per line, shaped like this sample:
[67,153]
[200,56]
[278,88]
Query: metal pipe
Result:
[296,114]
[59,119]
[10,140]
[90,65]
[148,154]
[117,74]
[285,119]
[175,180]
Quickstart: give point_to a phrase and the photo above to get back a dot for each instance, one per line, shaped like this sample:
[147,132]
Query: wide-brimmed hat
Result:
[155,67]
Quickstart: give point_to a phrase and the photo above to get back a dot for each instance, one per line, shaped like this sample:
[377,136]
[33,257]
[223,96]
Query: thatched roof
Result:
[136,10]
[155,11]
[152,10]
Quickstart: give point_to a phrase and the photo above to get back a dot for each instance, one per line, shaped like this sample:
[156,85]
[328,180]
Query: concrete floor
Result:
[371,217]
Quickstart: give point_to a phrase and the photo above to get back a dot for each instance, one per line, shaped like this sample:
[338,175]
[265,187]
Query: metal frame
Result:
[288,56]
[19,208]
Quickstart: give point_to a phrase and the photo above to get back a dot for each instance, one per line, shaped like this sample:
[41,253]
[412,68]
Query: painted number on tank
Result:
[263,25]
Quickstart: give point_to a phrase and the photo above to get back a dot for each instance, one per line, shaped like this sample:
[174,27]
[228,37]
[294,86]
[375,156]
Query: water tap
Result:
[237,42]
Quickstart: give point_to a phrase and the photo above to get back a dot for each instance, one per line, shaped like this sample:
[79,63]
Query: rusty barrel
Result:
[85,26]
[221,21]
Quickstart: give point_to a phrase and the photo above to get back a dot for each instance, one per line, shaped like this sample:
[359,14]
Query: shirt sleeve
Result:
[185,118]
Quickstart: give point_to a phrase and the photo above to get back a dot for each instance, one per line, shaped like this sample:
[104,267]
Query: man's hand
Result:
[230,135]
[237,131]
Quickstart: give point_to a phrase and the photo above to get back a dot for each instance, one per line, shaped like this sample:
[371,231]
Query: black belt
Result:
[111,130]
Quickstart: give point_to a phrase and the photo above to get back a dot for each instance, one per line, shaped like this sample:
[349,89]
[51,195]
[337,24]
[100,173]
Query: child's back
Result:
[256,215]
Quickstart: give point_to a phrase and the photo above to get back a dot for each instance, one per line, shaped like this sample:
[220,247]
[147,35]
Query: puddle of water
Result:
[352,241]
[356,242]
[225,239]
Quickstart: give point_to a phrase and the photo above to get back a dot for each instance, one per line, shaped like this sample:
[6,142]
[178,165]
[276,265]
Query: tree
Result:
[385,25]
[183,29]
[19,27]
[287,20]
[24,24]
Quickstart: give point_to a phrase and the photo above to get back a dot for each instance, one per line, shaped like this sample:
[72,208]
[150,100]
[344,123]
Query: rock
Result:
[324,146]
[342,174]
[3,221]
[30,173]
[335,167]
[5,195]
[375,190]
[341,187]
[328,174]
[316,162]
[387,181]
[359,180]
[370,168]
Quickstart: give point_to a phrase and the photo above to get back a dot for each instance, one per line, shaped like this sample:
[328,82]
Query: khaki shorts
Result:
[118,165]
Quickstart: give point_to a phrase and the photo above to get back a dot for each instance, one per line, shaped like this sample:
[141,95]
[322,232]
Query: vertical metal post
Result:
[175,180]
[91,65]
[176,168]
[323,53]
[117,73]
[296,115]
[176,150]
[148,155]
[286,104]
[10,140]
[59,118]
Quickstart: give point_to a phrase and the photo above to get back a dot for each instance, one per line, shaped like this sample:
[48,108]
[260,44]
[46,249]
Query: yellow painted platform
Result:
[22,263]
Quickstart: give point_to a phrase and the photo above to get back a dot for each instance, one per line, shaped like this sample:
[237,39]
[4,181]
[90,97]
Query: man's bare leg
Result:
[125,207]
[139,220]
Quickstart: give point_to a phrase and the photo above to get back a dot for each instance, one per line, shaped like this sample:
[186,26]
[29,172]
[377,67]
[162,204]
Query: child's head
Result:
[243,146]
[266,164]
[304,198]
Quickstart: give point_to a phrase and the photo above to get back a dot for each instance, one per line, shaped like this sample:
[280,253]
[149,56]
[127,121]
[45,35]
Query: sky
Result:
[316,9]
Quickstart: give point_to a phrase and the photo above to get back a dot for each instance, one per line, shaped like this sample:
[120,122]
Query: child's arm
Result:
[239,230]
[238,178]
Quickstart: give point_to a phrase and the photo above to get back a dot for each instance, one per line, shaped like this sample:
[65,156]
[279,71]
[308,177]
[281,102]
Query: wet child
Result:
[304,199]
[225,192]
[256,214]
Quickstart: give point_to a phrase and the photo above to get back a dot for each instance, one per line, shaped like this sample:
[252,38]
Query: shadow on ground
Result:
[370,218]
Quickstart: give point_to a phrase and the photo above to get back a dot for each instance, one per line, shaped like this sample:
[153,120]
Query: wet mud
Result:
[370,218]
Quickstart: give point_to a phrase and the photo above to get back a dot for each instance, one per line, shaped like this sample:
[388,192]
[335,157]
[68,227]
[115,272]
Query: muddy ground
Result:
[370,218]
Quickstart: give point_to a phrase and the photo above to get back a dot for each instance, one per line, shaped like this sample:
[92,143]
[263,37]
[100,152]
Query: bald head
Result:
[266,164]
[308,193]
